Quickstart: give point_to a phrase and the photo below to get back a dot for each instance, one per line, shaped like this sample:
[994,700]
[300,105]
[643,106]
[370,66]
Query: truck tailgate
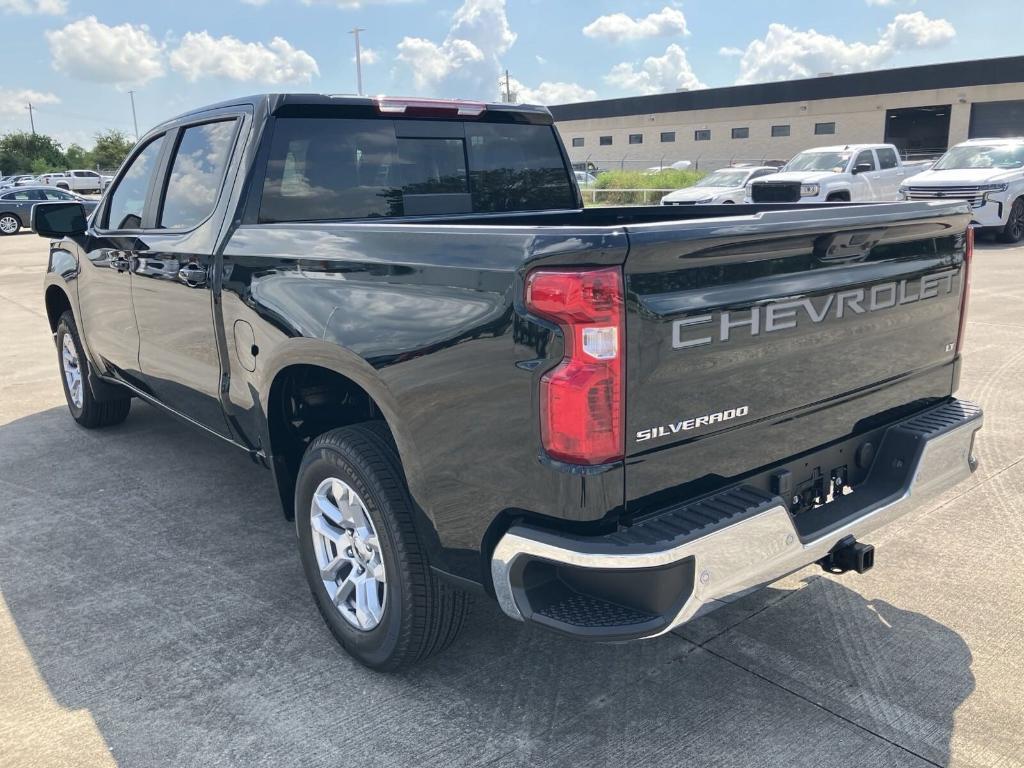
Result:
[752,339]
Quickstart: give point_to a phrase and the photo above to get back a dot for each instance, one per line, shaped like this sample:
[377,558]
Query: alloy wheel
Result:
[72,370]
[8,225]
[348,553]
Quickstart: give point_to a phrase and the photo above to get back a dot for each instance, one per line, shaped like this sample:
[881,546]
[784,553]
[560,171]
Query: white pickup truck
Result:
[848,173]
[78,181]
[987,172]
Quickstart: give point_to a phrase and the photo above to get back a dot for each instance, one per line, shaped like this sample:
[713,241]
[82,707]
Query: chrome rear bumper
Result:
[757,541]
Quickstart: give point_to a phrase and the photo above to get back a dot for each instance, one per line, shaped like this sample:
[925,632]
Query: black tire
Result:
[838,197]
[1013,231]
[422,614]
[11,224]
[92,413]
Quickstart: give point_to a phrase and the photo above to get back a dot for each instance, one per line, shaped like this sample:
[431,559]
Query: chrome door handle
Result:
[120,262]
[192,275]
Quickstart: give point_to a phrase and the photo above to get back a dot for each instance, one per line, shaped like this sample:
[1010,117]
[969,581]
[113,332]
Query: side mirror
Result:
[58,219]
[863,167]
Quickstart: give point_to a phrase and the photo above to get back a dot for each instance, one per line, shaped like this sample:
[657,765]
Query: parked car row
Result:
[16,205]
[83,181]
[988,173]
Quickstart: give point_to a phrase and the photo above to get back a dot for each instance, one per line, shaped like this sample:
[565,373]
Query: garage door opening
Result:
[918,131]
[996,119]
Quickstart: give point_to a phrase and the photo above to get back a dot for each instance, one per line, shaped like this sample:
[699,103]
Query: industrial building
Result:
[922,110]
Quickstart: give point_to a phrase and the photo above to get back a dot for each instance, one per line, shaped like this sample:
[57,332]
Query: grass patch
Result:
[670,178]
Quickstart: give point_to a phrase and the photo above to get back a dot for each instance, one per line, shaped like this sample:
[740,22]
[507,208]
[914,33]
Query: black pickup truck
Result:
[611,419]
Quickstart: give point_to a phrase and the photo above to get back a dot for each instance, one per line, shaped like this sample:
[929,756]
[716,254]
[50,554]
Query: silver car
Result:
[16,205]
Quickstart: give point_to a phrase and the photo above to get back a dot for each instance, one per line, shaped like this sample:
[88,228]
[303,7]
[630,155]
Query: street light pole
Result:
[135,122]
[359,60]
[31,119]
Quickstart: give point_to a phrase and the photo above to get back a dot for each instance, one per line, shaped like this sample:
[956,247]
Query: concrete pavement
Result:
[153,612]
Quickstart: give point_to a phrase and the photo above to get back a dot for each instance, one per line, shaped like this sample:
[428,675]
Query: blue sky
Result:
[76,60]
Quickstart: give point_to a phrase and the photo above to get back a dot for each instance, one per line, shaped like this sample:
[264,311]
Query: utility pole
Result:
[508,87]
[31,119]
[359,60]
[135,122]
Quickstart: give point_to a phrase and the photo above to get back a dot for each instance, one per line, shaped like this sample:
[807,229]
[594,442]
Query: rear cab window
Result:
[348,168]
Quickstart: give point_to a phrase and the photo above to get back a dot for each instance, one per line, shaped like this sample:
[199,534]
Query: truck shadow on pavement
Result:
[153,581]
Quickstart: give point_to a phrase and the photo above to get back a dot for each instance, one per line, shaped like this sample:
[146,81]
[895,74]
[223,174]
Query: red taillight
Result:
[581,398]
[965,297]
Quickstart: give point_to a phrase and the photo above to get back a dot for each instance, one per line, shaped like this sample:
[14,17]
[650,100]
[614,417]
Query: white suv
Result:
[989,173]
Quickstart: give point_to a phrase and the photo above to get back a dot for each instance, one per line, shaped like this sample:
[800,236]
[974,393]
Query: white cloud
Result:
[202,55]
[618,27]
[124,55]
[13,101]
[728,50]
[656,74]
[786,53]
[541,60]
[35,7]
[368,55]
[551,93]
[468,62]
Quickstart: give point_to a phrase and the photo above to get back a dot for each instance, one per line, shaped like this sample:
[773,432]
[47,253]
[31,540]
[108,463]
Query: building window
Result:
[605,141]
[780,130]
[577,142]
[704,135]
[821,129]
[741,133]
[667,136]
[636,138]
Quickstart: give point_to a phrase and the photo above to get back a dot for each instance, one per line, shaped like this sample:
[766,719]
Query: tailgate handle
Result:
[847,245]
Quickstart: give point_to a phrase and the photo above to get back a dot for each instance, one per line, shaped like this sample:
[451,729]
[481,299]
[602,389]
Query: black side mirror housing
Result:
[56,220]
[862,167]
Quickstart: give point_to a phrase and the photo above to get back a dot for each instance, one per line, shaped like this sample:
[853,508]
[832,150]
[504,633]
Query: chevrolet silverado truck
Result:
[610,420]
[848,173]
[987,173]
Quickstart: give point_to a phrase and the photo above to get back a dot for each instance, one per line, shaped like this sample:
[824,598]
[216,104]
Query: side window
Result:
[865,156]
[126,203]
[886,158]
[57,194]
[196,174]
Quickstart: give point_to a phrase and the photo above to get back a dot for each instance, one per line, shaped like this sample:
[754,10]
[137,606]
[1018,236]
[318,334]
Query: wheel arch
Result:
[57,303]
[312,387]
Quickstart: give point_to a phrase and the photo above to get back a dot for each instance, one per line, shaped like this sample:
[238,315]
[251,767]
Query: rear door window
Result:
[196,174]
[886,158]
[342,168]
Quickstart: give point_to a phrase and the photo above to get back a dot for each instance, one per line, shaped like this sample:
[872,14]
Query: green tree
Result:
[23,152]
[77,157]
[110,150]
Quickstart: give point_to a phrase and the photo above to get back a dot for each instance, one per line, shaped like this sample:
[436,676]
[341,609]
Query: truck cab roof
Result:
[310,104]
[847,147]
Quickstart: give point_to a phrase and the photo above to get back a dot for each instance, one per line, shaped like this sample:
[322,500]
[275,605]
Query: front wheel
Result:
[365,564]
[85,408]
[1013,231]
[9,224]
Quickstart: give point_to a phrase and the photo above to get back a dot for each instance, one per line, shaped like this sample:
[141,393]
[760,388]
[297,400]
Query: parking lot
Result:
[153,612]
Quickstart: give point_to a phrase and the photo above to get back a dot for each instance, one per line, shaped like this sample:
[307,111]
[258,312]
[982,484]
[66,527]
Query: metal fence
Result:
[709,162]
[696,163]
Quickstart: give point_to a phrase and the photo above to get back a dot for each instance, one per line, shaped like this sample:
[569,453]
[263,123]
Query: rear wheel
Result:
[9,224]
[74,367]
[366,567]
[1013,231]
